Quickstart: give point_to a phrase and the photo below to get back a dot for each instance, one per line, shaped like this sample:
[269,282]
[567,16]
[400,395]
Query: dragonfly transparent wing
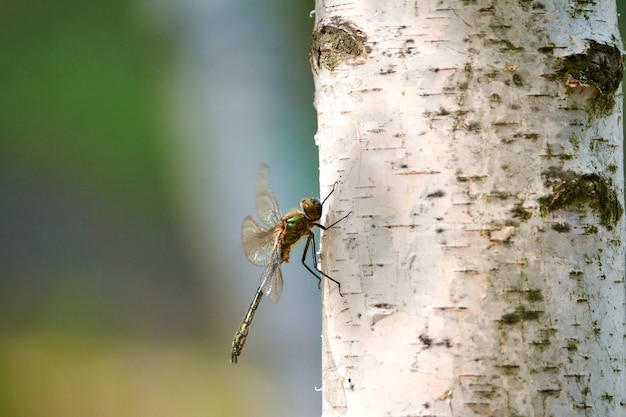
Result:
[256,242]
[272,277]
[266,204]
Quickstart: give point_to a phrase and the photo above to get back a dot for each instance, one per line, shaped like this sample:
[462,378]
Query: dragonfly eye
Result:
[312,208]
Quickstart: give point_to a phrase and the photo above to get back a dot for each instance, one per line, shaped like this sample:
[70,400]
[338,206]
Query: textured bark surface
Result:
[479,145]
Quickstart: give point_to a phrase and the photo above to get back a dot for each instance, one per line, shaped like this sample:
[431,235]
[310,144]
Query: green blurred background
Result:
[130,136]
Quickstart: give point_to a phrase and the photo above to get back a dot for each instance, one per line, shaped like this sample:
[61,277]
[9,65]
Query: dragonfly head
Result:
[312,208]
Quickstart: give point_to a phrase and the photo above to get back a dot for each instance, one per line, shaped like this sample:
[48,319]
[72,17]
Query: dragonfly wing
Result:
[266,204]
[256,242]
[272,277]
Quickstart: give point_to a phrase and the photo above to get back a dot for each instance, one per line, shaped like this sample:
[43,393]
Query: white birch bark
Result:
[479,146]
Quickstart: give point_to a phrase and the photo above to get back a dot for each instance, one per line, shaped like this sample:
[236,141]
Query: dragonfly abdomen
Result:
[242,333]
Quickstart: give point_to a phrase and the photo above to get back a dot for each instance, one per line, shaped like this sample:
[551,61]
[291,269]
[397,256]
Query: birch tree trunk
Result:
[479,146]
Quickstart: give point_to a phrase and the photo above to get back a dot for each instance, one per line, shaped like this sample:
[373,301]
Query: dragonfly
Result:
[270,244]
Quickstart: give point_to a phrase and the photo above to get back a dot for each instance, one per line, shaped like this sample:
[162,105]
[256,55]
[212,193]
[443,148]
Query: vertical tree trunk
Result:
[479,145]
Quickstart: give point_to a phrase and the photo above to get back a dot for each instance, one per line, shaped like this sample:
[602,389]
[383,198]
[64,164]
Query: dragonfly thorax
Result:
[312,208]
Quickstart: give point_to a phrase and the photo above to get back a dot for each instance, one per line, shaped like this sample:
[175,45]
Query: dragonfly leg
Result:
[331,191]
[321,226]
[311,241]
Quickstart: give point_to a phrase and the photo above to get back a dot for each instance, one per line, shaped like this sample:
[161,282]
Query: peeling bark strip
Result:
[480,148]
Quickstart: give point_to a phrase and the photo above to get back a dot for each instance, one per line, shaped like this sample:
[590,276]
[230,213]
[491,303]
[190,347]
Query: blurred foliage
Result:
[83,189]
[97,305]
[79,99]
[101,312]
[46,375]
